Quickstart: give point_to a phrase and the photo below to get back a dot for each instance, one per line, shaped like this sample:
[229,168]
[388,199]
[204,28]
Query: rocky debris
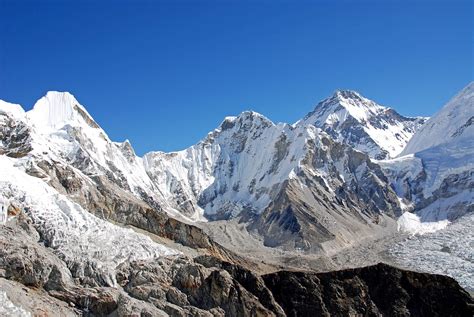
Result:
[370,291]
[24,260]
[33,302]
[15,136]
[13,210]
[184,287]
[207,286]
[251,281]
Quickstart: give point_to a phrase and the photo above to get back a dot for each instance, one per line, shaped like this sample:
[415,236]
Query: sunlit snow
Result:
[75,234]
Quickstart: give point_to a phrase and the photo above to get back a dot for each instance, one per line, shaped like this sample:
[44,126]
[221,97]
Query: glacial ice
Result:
[449,251]
[73,233]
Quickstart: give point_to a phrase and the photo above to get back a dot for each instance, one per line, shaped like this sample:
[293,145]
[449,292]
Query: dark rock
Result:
[369,291]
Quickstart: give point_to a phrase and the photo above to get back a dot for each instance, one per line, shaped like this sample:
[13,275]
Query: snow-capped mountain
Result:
[251,167]
[241,169]
[313,188]
[363,124]
[435,173]
[59,132]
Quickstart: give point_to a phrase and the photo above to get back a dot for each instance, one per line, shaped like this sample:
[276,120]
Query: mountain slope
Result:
[238,170]
[436,173]
[350,118]
[72,231]
[264,172]
[453,123]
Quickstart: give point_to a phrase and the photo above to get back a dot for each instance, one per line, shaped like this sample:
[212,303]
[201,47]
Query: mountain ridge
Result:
[170,233]
[69,101]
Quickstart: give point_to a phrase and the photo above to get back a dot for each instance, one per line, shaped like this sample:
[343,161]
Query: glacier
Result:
[74,234]
[449,251]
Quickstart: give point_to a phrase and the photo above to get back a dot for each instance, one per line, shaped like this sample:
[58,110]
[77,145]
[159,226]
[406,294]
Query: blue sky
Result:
[163,74]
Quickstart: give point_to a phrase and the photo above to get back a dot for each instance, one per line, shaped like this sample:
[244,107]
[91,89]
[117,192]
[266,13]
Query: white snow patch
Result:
[13,109]
[411,223]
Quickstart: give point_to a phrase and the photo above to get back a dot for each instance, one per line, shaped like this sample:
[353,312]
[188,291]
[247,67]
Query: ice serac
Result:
[436,170]
[363,124]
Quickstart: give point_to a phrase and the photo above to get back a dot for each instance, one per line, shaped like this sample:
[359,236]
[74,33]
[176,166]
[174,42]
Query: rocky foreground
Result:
[33,279]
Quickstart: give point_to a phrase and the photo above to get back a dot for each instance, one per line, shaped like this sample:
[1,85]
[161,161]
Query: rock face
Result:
[14,134]
[276,177]
[379,290]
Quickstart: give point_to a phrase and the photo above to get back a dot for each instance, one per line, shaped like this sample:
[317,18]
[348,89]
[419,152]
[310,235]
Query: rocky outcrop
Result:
[206,286]
[379,290]
[14,135]
[23,260]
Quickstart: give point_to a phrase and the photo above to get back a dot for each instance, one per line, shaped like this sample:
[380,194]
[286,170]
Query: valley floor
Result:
[449,251]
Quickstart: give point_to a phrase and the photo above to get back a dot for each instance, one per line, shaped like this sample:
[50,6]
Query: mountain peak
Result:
[56,109]
[245,118]
[343,94]
[344,103]
[251,114]
[362,123]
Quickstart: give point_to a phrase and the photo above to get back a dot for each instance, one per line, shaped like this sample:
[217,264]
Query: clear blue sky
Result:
[163,74]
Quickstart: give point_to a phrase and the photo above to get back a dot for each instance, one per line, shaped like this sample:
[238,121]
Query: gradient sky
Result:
[163,74]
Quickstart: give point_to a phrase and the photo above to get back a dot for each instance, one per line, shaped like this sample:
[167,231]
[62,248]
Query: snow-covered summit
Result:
[247,117]
[362,123]
[341,104]
[56,109]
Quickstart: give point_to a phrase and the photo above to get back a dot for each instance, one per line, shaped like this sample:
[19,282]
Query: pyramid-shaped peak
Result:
[56,109]
[349,101]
